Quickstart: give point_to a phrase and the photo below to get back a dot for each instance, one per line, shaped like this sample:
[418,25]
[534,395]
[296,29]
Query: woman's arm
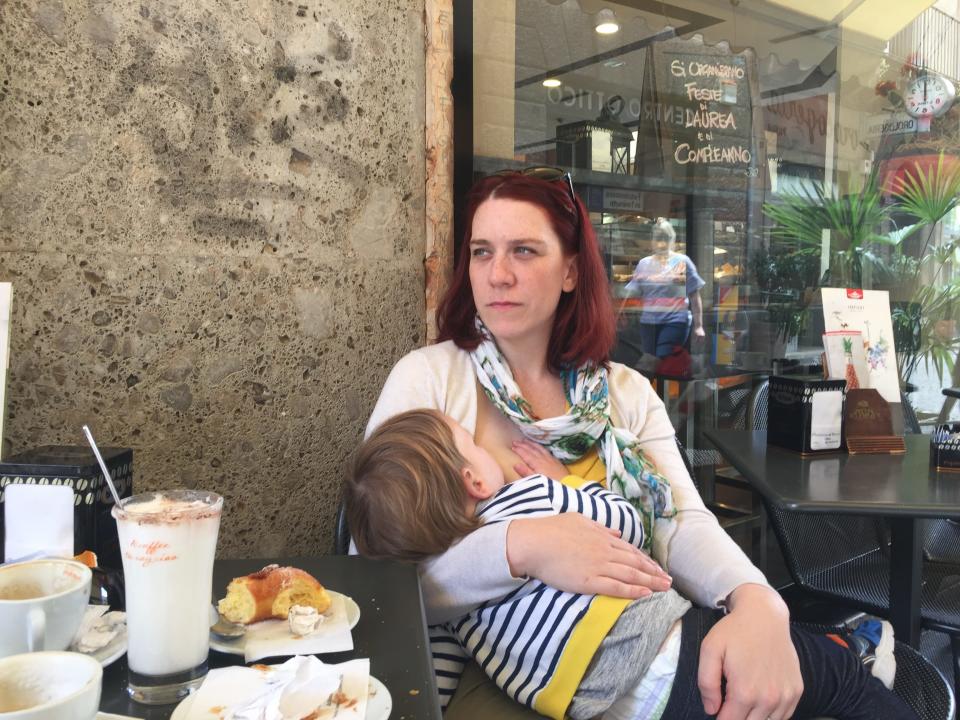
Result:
[569,552]
[751,646]
[696,309]
[704,561]
[752,650]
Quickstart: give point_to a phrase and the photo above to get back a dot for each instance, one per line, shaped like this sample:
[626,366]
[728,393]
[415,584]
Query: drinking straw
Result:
[103,466]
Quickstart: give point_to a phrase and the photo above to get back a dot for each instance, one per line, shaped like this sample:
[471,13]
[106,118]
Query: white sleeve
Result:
[475,570]
[704,561]
[410,385]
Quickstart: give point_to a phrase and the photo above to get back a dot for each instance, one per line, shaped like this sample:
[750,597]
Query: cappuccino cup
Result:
[49,686]
[41,604]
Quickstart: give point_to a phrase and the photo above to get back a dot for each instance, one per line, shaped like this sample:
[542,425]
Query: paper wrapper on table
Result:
[300,687]
[945,447]
[272,638]
[76,467]
[805,414]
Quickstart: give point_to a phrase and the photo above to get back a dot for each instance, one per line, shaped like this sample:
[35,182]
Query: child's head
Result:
[415,485]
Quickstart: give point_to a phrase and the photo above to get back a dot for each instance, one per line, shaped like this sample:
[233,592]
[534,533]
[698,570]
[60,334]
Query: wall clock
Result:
[929,96]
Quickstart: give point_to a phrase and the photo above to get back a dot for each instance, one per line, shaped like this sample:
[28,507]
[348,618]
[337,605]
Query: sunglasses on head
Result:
[549,174]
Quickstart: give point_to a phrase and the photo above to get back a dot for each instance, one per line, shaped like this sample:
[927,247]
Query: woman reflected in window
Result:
[668,287]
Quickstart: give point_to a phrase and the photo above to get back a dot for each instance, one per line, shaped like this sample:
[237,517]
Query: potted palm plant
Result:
[925,326]
[925,301]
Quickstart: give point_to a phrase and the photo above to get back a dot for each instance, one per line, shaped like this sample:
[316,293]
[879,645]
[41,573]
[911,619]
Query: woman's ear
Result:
[571,274]
[475,485]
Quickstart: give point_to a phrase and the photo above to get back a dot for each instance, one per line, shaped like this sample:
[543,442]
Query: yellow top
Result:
[590,467]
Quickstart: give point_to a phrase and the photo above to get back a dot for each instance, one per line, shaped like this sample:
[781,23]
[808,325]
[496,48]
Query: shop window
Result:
[728,122]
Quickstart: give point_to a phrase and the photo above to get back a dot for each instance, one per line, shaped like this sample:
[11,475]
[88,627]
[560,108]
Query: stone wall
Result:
[212,216]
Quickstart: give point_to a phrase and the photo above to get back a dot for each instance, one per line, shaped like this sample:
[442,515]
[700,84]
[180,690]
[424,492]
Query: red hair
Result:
[584,327]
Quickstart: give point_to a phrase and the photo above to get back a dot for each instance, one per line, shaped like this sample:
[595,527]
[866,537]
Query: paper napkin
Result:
[38,521]
[98,629]
[300,687]
[272,638]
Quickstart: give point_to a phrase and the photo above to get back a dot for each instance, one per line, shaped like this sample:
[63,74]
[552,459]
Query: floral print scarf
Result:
[569,437]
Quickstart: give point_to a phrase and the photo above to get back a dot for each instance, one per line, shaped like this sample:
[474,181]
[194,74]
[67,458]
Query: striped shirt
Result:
[660,287]
[536,642]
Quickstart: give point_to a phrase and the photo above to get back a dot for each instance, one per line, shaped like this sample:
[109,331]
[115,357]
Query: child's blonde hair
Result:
[405,498]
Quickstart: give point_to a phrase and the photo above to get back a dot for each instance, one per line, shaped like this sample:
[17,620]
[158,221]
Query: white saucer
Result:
[379,704]
[114,649]
[235,647]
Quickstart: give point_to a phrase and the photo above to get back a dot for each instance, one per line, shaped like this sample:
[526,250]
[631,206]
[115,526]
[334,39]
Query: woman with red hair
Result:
[526,329]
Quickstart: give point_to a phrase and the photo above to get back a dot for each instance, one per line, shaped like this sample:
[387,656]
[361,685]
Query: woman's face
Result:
[661,242]
[517,270]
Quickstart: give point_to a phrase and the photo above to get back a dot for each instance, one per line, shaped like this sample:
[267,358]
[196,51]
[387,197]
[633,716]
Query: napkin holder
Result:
[76,467]
[870,425]
[805,414]
[945,448]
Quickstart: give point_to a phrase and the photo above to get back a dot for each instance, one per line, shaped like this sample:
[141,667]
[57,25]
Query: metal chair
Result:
[845,558]
[918,683]
[341,532]
[941,538]
[921,686]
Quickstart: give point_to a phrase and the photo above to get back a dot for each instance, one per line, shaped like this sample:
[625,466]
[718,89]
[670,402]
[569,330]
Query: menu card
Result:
[866,312]
[846,357]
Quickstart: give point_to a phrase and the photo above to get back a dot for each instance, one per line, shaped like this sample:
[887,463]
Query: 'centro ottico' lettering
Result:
[711,154]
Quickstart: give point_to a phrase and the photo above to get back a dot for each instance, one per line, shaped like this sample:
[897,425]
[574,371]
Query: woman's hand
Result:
[535,458]
[752,649]
[570,552]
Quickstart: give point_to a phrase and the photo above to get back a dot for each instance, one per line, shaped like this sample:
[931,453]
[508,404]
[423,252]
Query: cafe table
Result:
[903,489]
[392,632]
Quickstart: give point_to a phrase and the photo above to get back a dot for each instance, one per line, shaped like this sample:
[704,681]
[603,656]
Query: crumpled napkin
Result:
[300,687]
[272,638]
[98,628]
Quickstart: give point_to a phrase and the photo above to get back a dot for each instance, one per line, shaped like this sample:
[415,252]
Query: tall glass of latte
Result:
[168,540]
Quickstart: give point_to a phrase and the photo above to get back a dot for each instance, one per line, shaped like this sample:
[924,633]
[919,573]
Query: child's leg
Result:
[836,683]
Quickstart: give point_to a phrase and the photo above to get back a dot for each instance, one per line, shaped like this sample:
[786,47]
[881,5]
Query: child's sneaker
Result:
[872,641]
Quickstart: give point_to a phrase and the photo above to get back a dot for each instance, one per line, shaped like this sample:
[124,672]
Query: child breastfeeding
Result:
[420,484]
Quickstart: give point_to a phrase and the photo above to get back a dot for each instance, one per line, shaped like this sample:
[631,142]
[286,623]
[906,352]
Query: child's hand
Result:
[537,459]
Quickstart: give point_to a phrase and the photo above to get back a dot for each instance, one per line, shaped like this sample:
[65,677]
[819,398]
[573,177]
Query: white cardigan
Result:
[705,563]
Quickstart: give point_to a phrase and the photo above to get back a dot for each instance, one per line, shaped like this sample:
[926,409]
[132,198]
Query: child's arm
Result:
[608,508]
[449,660]
[575,494]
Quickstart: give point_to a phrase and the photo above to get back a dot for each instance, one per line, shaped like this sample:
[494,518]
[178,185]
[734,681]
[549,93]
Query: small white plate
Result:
[235,647]
[114,649]
[379,703]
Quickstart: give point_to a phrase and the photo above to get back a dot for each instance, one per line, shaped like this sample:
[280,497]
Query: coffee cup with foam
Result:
[50,686]
[42,603]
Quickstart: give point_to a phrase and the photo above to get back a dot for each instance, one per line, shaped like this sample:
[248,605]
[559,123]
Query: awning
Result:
[807,34]
[880,19]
